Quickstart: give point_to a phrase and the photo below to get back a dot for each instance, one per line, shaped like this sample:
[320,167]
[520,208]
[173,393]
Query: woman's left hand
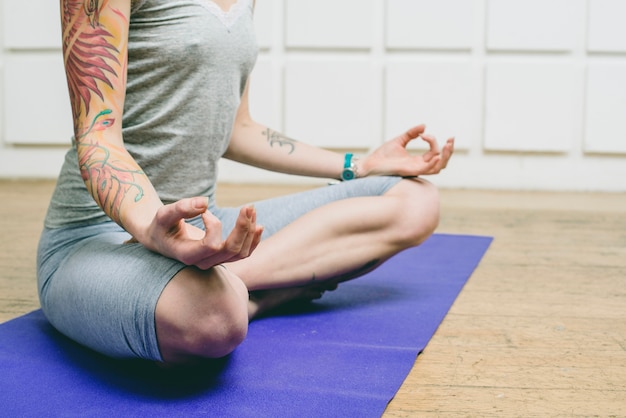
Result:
[392,158]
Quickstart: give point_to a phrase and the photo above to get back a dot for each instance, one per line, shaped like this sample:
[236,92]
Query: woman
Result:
[136,260]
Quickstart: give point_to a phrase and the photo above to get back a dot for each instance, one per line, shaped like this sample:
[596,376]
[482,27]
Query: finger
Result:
[246,249]
[433,147]
[411,134]
[432,142]
[239,244]
[258,234]
[227,257]
[192,251]
[171,214]
[257,231]
[195,252]
[415,131]
[447,152]
[252,241]
[243,227]
[212,231]
[432,165]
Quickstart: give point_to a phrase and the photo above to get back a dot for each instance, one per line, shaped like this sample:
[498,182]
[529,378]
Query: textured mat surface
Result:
[345,355]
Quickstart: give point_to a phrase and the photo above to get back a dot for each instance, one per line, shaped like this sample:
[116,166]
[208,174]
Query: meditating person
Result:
[136,260]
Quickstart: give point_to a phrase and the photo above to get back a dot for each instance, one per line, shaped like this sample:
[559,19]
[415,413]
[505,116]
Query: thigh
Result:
[101,292]
[276,213]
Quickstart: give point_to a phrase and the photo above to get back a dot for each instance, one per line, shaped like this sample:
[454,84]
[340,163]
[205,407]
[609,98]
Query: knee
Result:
[201,315]
[418,213]
[218,334]
[206,337]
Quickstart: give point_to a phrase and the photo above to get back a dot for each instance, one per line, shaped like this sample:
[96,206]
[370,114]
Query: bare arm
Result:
[260,146]
[255,144]
[95,35]
[95,40]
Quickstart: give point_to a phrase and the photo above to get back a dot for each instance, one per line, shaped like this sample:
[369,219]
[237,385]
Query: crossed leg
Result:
[205,313]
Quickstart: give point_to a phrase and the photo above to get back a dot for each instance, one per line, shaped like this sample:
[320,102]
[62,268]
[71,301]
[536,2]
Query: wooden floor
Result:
[539,330]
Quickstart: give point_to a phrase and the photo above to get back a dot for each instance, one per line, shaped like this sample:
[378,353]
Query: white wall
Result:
[533,90]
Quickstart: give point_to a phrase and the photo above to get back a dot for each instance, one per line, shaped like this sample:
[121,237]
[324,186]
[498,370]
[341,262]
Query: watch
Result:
[349,168]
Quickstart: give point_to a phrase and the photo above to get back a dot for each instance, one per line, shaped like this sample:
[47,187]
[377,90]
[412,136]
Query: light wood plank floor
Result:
[539,330]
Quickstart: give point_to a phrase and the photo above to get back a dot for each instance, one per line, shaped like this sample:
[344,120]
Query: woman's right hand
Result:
[170,235]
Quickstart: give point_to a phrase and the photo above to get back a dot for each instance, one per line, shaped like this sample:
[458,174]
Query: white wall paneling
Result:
[329,23]
[265,23]
[607,31]
[532,106]
[533,90]
[31,162]
[329,102]
[424,24]
[36,107]
[32,24]
[30,31]
[265,93]
[442,94]
[605,130]
[534,172]
[536,25]
[2,96]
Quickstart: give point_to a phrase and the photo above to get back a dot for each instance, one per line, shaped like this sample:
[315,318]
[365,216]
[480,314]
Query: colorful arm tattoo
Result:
[88,53]
[95,61]
[107,177]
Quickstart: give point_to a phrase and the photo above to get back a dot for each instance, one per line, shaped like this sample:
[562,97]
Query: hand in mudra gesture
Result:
[392,158]
[170,235]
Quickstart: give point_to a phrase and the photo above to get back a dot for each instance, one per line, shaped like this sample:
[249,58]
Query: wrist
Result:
[350,169]
[138,222]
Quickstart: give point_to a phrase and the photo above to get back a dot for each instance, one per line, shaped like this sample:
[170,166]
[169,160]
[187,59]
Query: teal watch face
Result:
[347,174]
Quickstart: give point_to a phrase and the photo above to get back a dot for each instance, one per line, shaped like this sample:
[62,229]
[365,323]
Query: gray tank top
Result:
[188,63]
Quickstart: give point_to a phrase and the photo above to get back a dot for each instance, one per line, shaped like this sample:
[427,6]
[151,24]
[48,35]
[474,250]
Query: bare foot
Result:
[262,301]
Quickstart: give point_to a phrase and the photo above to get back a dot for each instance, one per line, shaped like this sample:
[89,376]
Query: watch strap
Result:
[349,168]
[347,162]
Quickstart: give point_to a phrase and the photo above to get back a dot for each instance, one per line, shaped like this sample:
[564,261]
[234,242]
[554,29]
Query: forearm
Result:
[95,53]
[118,185]
[260,146]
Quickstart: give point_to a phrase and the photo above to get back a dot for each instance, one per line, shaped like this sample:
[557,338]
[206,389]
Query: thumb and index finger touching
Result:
[411,134]
[419,132]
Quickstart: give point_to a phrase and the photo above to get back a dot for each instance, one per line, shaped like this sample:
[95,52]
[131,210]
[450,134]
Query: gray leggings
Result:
[103,293]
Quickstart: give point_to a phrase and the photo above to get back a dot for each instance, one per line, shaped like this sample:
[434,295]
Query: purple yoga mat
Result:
[345,355]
